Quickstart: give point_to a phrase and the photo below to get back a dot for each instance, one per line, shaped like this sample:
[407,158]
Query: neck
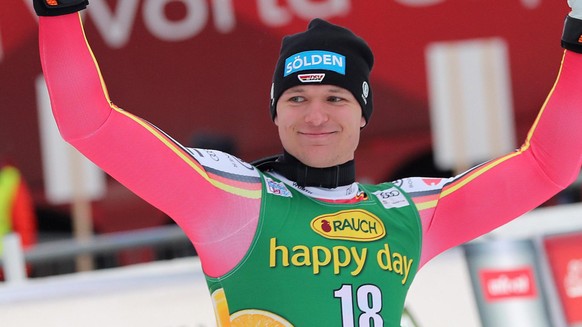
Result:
[303,175]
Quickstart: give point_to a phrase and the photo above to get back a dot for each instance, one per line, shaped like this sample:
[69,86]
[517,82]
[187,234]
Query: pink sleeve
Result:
[213,211]
[498,191]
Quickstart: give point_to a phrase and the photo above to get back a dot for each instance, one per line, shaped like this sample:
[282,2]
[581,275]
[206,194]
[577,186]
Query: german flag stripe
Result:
[426,203]
[230,185]
[237,187]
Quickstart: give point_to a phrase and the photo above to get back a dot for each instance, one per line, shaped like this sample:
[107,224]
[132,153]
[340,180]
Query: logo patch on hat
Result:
[317,59]
[365,92]
[311,78]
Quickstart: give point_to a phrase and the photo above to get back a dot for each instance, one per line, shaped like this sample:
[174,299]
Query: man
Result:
[296,241]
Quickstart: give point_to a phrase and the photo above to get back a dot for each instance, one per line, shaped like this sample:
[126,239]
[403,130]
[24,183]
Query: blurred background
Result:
[456,82]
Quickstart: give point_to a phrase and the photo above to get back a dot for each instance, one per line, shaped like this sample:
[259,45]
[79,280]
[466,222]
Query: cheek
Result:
[282,129]
[282,124]
[355,131]
[285,120]
[355,137]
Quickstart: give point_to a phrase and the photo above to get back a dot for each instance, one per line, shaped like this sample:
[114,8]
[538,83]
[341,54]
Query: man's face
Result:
[319,124]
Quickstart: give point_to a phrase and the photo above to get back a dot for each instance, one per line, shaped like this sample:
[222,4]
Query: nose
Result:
[316,113]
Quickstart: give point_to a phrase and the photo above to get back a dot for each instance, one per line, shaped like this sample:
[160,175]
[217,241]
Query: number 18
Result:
[368,300]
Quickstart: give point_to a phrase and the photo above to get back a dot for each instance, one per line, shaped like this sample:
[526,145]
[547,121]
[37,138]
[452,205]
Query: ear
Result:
[276,120]
[362,122]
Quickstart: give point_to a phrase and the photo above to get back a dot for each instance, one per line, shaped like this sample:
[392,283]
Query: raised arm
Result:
[212,201]
[462,208]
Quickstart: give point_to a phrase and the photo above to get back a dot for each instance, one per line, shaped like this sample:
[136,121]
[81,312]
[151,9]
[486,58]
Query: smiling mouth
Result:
[316,133]
[317,138]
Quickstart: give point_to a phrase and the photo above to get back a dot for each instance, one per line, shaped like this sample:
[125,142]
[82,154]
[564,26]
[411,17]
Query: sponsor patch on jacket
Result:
[353,225]
[277,188]
[392,198]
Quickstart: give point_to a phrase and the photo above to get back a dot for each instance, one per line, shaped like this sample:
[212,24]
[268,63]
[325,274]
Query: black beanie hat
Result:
[325,54]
